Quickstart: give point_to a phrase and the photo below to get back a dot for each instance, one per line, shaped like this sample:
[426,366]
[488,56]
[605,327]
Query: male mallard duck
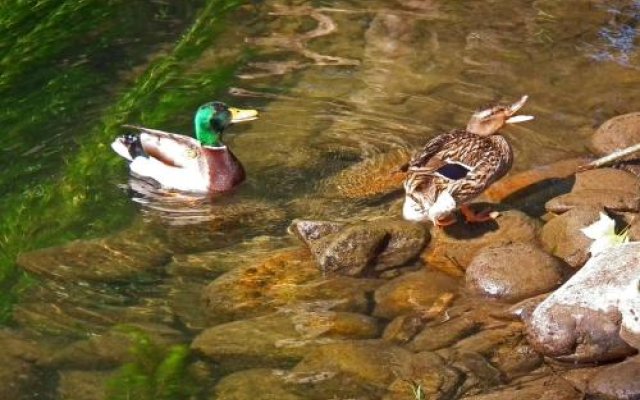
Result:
[456,167]
[183,163]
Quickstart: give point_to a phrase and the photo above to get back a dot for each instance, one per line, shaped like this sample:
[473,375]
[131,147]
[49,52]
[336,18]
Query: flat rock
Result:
[548,388]
[562,235]
[356,249]
[287,277]
[83,385]
[580,322]
[272,383]
[619,381]
[412,292]
[452,249]
[616,133]
[608,188]
[513,272]
[280,339]
[437,336]
[18,374]
[126,256]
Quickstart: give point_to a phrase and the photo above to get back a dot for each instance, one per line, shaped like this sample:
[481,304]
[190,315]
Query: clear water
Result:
[335,82]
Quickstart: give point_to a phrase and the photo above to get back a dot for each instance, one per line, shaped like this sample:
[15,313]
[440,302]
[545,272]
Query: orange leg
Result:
[446,221]
[471,217]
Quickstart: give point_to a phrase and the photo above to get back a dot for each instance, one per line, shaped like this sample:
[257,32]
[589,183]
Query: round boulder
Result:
[616,133]
[619,381]
[563,238]
[513,272]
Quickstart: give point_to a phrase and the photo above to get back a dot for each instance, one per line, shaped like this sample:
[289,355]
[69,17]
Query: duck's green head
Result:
[212,118]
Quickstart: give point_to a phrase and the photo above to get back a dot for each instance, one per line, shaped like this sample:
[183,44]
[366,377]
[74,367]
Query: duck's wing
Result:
[463,163]
[169,148]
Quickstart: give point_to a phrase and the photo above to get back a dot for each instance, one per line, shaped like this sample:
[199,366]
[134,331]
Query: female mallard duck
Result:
[456,167]
[202,165]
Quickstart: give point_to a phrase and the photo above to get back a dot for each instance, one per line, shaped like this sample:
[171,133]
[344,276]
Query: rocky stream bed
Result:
[357,308]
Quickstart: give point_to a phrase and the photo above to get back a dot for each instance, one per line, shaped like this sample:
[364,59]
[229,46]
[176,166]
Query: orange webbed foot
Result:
[483,216]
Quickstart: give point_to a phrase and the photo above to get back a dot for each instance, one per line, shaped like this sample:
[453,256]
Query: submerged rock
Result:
[375,176]
[413,292]
[126,256]
[452,248]
[513,272]
[18,373]
[547,388]
[256,384]
[580,322]
[616,133]
[355,249]
[443,334]
[618,381]
[607,188]
[280,339]
[286,278]
[562,235]
[83,385]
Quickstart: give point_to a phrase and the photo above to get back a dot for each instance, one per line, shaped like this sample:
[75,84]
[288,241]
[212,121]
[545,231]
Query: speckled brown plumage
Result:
[488,158]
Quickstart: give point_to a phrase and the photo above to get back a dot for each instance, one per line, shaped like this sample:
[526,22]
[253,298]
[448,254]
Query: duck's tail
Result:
[128,146]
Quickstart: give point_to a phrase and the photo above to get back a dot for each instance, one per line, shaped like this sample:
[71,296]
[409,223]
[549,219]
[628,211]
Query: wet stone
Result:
[607,188]
[353,249]
[109,350]
[375,176]
[516,359]
[124,257]
[258,384]
[439,335]
[488,341]
[580,322]
[288,277]
[616,133]
[547,388]
[18,373]
[83,385]
[513,272]
[452,248]
[562,235]
[280,339]
[412,292]
[618,381]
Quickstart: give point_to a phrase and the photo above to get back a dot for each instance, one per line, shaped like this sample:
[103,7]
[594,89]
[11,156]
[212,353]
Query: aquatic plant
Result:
[157,372]
[51,210]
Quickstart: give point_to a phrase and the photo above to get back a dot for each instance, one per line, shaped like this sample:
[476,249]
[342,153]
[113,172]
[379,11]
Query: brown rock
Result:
[616,133]
[607,188]
[280,339]
[412,292]
[18,375]
[272,384]
[459,243]
[548,388]
[83,385]
[375,176]
[351,249]
[286,278]
[561,236]
[620,381]
[513,272]
[444,334]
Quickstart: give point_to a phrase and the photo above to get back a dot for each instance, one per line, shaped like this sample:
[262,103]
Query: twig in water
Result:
[611,158]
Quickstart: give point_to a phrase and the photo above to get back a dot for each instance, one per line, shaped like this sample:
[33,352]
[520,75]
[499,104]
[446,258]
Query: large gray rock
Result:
[562,235]
[355,249]
[513,272]
[580,322]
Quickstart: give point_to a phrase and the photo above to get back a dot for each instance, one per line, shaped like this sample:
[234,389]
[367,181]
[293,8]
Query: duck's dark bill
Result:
[238,115]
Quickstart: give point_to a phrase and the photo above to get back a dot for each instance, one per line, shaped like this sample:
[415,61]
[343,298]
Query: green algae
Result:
[82,200]
[157,372]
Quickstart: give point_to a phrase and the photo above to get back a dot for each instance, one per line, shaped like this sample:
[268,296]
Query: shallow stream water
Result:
[335,82]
